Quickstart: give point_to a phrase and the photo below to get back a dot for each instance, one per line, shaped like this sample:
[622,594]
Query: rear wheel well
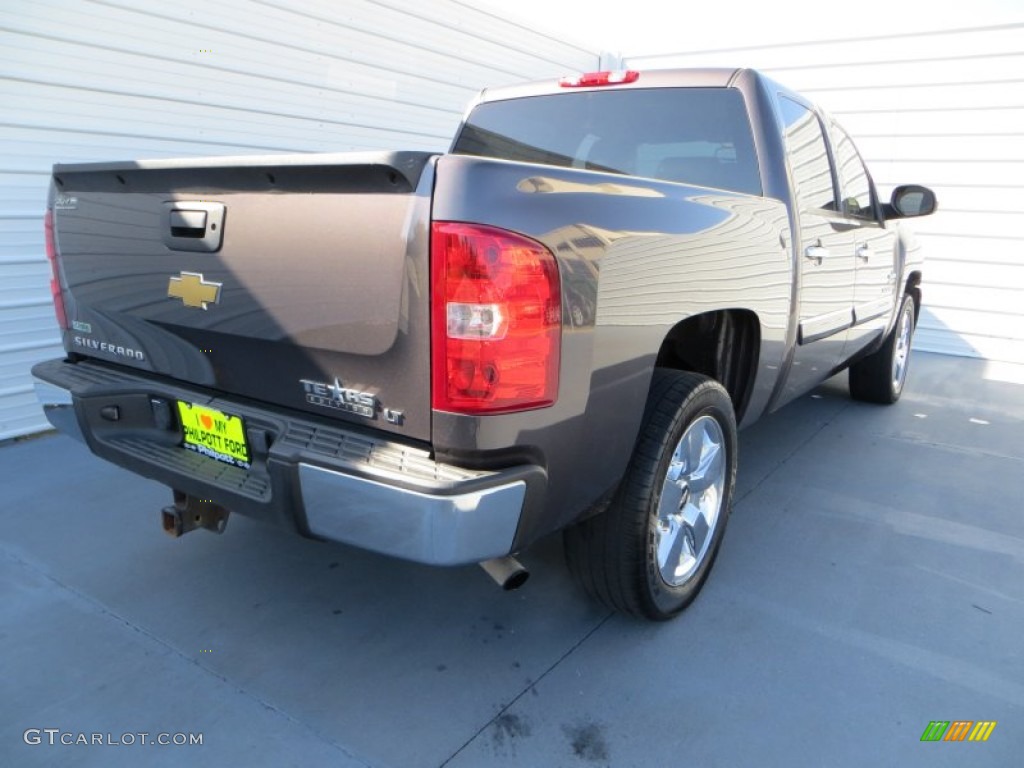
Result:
[723,345]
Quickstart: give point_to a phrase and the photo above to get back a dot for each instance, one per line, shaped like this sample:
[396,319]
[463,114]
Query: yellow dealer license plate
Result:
[214,434]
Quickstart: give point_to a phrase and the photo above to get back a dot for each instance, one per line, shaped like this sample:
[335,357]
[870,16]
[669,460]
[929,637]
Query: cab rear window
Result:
[690,135]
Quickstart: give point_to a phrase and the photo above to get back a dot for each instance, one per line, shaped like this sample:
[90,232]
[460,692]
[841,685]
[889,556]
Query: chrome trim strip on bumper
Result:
[58,407]
[451,529]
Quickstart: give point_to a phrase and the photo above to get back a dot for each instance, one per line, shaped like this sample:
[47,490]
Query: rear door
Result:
[826,242]
[876,267]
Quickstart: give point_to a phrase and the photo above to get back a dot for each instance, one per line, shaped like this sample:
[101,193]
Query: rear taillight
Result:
[55,286]
[496,320]
[591,79]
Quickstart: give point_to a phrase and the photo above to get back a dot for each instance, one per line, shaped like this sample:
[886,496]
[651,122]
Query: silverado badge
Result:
[193,290]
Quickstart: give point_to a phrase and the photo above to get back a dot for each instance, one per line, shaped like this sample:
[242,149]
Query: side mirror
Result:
[911,200]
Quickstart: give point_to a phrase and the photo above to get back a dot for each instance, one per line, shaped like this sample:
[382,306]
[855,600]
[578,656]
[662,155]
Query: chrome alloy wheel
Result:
[691,501]
[901,354]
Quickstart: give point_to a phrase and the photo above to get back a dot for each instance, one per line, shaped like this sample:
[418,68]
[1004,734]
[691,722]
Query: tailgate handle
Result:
[188,223]
[193,225]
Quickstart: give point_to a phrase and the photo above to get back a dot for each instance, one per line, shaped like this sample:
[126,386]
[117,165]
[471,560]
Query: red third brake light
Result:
[589,79]
[496,325]
[55,286]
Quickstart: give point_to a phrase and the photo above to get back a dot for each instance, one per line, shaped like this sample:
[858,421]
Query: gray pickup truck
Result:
[558,325]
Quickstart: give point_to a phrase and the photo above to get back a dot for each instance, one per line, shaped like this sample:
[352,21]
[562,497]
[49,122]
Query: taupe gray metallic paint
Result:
[661,252]
[324,276]
[636,257]
[666,252]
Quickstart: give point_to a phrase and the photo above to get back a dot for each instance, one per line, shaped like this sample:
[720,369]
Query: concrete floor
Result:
[872,580]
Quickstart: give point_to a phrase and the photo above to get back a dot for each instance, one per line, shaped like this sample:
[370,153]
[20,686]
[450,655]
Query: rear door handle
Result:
[816,253]
[864,253]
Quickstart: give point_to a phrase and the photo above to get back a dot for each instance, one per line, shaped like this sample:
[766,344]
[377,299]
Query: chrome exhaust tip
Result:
[507,572]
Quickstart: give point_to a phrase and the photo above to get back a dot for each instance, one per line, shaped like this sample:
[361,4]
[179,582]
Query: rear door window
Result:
[808,156]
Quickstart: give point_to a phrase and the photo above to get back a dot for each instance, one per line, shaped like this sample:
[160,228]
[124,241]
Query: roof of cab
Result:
[712,77]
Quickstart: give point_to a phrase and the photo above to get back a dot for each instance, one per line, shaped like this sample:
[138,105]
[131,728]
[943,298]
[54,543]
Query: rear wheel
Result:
[650,553]
[879,377]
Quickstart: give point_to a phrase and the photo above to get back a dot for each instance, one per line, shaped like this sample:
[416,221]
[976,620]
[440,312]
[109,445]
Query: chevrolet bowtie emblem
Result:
[194,290]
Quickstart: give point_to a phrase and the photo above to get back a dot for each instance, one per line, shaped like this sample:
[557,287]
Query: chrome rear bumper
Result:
[321,479]
[441,530]
[58,407]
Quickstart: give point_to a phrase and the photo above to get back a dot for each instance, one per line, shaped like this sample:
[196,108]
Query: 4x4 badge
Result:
[193,290]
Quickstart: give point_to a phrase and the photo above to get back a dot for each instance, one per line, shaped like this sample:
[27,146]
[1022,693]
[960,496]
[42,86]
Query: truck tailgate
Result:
[299,281]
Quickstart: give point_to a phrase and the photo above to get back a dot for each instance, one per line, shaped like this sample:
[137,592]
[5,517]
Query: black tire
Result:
[615,555]
[879,377]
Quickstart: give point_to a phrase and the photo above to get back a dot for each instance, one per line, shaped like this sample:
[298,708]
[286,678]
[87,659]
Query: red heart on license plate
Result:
[206,420]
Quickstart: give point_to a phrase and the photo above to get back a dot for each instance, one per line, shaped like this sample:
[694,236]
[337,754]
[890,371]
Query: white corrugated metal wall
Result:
[84,80]
[945,109]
